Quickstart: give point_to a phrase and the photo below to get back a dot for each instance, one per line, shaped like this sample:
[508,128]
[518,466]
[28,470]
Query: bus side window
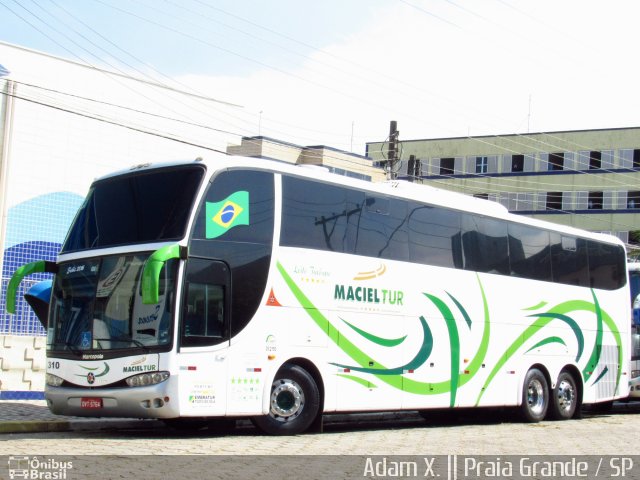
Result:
[203,319]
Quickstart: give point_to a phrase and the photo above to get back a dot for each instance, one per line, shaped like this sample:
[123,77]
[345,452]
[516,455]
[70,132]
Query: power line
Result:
[512,150]
[186,90]
[75,43]
[95,116]
[191,36]
[98,69]
[123,107]
[112,122]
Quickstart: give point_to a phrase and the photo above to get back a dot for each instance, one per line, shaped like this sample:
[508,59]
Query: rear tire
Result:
[565,398]
[535,396]
[294,403]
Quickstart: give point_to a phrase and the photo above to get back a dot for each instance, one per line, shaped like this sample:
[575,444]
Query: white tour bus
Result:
[238,287]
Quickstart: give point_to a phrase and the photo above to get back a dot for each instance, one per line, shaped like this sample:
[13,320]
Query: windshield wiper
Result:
[75,350]
[124,337]
[128,338]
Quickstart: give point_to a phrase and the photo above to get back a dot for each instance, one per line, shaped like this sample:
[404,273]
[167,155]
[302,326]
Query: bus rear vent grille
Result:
[607,371]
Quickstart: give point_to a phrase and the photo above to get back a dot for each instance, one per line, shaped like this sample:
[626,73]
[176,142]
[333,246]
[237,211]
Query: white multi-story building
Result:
[587,178]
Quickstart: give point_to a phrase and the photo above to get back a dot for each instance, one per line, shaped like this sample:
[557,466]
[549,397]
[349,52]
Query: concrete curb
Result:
[12,425]
[96,424]
[35,426]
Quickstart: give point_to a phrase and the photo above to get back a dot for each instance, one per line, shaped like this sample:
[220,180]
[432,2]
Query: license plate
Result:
[91,403]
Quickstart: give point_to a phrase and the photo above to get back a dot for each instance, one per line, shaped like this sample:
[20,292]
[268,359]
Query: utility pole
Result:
[392,157]
[411,168]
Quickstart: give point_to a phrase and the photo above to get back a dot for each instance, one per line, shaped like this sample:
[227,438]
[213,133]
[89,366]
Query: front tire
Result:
[565,398]
[294,403]
[535,396]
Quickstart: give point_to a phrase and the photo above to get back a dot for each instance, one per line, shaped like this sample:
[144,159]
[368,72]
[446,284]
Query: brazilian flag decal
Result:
[230,212]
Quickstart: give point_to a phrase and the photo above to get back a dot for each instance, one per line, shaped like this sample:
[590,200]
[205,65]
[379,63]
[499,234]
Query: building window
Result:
[447,165]
[556,161]
[482,164]
[636,158]
[595,160]
[595,201]
[517,163]
[554,201]
[633,199]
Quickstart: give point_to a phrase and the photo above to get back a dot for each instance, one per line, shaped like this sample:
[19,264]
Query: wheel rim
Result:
[566,396]
[535,397]
[287,400]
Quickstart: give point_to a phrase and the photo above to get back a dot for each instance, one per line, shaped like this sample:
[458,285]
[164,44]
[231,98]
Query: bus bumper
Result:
[151,401]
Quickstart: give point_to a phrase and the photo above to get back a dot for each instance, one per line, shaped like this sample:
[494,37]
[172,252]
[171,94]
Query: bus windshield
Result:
[97,305]
[142,207]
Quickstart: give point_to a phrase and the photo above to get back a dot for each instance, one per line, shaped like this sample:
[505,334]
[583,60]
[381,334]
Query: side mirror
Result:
[38,297]
[40,266]
[153,267]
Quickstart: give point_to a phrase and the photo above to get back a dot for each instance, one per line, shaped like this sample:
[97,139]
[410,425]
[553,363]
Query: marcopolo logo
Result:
[38,468]
[93,373]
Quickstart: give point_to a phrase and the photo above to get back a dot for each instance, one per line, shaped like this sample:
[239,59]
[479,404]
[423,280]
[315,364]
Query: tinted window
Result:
[320,216]
[235,224]
[434,236]
[97,305]
[485,244]
[341,219]
[569,262]
[205,318]
[143,207]
[238,207]
[607,265]
[382,229]
[529,252]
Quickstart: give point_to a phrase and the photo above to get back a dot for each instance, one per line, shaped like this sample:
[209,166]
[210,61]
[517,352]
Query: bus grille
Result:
[607,371]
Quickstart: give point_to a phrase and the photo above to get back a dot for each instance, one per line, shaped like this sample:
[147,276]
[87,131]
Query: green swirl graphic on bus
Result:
[395,377]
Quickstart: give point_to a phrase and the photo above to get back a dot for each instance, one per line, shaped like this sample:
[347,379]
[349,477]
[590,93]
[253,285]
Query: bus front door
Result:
[204,338]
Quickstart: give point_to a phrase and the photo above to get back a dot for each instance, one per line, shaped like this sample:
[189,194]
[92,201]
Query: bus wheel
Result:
[294,403]
[565,398]
[535,396]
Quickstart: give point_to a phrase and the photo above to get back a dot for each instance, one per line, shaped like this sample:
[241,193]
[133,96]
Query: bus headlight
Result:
[53,380]
[145,379]
[635,373]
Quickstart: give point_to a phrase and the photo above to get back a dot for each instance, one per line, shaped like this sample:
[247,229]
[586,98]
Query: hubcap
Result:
[566,396]
[535,397]
[287,400]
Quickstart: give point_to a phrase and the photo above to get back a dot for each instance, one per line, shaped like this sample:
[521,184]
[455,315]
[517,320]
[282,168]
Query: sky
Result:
[336,72]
